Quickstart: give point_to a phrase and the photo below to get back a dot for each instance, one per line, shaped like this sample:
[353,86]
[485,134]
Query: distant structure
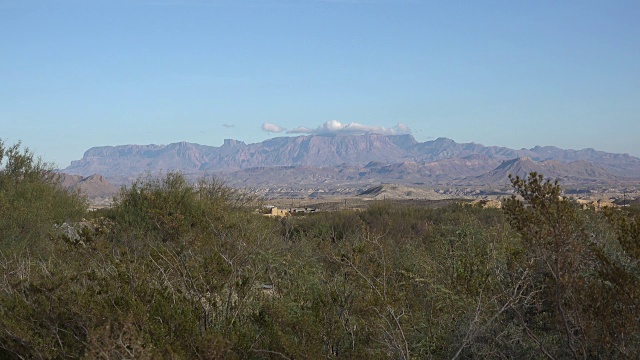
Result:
[305,210]
[595,204]
[275,212]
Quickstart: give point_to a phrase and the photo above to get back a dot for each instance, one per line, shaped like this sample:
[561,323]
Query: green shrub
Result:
[581,274]
[31,199]
[185,270]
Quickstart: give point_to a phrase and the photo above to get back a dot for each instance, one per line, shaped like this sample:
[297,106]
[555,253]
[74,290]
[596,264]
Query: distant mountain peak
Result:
[233,143]
[93,186]
[516,161]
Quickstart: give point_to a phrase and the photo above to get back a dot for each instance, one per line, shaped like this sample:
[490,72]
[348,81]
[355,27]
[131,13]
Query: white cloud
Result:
[273,128]
[228,125]
[354,128]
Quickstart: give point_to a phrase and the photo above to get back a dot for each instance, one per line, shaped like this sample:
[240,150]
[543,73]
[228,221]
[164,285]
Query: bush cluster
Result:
[181,270]
[31,199]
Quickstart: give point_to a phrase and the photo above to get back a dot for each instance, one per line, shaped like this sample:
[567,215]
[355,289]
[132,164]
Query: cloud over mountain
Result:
[353,128]
[272,128]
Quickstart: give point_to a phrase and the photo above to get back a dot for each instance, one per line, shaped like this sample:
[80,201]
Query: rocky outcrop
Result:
[80,232]
[94,186]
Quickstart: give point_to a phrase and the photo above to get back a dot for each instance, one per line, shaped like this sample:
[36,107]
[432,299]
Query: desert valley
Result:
[319,169]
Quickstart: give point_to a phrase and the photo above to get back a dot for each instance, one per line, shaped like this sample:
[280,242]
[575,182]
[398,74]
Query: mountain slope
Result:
[402,153]
[573,172]
[94,186]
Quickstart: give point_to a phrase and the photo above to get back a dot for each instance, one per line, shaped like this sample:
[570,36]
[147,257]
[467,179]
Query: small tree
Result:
[552,227]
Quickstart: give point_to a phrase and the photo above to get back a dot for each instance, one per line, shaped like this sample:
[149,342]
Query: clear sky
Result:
[81,73]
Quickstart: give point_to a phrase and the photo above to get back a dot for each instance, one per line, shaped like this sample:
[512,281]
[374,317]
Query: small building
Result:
[274,211]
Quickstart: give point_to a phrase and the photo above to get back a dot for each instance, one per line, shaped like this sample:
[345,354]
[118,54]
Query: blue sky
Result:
[76,73]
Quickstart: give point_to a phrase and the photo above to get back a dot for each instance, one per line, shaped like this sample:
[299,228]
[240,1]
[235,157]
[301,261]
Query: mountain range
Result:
[368,158]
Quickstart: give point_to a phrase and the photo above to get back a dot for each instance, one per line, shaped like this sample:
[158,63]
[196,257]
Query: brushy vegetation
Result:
[176,270]
[31,200]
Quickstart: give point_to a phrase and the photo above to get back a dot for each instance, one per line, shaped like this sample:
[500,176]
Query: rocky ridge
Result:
[121,164]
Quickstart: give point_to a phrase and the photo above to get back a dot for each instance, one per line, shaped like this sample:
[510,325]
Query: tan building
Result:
[274,211]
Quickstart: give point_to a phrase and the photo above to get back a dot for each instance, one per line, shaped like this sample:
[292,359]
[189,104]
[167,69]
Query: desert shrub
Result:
[398,221]
[31,199]
[170,208]
[405,281]
[160,208]
[580,274]
[173,275]
[323,226]
[190,271]
[613,301]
